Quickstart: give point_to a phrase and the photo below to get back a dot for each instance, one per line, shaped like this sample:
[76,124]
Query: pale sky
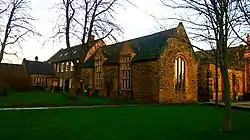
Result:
[135,23]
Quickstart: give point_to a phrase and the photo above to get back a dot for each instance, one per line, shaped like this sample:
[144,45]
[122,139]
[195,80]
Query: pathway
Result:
[62,107]
[242,105]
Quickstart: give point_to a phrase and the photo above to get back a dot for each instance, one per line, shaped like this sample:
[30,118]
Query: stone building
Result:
[238,73]
[41,73]
[160,67]
[62,62]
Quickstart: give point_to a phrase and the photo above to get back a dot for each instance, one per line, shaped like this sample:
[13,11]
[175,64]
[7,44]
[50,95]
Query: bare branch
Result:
[17,26]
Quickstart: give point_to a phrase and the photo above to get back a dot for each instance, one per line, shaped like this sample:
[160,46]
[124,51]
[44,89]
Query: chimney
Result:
[36,58]
[92,37]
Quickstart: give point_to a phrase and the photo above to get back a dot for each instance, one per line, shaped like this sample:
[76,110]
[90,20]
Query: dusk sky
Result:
[135,22]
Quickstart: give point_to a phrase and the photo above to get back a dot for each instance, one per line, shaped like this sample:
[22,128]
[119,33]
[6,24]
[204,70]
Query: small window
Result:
[67,66]
[58,67]
[62,67]
[72,66]
[66,54]
[34,80]
[60,55]
[74,51]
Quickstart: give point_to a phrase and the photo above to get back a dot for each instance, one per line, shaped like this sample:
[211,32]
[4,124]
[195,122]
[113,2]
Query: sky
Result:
[135,21]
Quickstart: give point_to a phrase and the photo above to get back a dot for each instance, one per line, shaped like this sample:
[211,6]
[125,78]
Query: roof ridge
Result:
[132,38]
[10,64]
[143,36]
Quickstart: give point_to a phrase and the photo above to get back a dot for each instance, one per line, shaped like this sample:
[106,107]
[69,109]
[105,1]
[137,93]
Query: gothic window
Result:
[98,72]
[180,70]
[126,72]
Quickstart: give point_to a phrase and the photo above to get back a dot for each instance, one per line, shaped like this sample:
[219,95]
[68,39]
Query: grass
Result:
[190,122]
[41,99]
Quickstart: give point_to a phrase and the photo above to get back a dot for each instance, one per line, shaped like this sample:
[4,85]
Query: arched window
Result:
[180,71]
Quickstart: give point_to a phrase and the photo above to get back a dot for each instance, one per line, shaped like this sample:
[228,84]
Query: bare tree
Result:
[213,20]
[244,21]
[82,19]
[15,24]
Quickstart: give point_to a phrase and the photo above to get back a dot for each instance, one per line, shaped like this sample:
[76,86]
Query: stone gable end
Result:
[178,46]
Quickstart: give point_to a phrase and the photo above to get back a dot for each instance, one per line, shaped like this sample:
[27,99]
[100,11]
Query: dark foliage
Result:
[246,97]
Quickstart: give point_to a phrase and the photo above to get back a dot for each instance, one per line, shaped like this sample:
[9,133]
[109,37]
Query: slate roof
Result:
[37,67]
[63,54]
[146,48]
[236,56]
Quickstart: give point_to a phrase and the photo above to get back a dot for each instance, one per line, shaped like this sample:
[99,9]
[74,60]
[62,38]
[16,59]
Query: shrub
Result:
[4,88]
[246,97]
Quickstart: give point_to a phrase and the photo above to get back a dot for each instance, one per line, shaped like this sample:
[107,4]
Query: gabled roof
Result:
[146,48]
[64,54]
[37,67]
[235,59]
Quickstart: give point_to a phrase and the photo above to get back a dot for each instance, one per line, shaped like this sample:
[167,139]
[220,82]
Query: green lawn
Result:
[41,98]
[190,122]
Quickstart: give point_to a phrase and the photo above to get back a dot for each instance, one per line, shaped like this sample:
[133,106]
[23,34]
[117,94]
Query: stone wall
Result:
[87,76]
[145,81]
[110,83]
[239,85]
[178,47]
[43,77]
[203,92]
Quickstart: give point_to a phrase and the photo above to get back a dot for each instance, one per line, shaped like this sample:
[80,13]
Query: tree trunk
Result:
[75,80]
[74,87]
[1,56]
[227,101]
[1,53]
[226,85]
[216,80]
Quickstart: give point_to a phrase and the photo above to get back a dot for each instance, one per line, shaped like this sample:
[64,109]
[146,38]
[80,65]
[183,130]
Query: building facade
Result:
[63,65]
[238,72]
[160,67]
[42,74]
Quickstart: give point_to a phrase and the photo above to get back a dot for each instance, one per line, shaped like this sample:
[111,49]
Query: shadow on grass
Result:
[48,99]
